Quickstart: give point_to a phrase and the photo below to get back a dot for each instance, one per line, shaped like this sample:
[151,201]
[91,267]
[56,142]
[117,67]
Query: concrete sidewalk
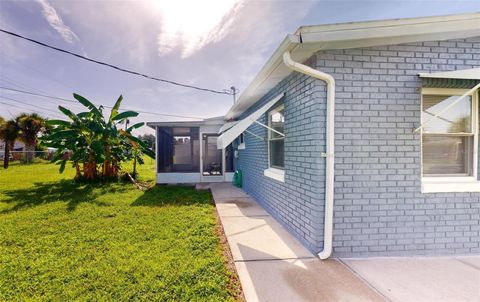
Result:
[274,266]
[422,279]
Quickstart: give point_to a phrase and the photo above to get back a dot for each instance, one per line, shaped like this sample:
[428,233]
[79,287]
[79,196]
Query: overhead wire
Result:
[28,104]
[22,107]
[56,114]
[226,92]
[41,73]
[27,88]
[105,106]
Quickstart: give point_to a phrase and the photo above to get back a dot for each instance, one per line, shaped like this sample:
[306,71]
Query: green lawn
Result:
[61,240]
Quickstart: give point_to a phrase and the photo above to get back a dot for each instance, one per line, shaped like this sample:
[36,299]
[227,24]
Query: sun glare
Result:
[188,25]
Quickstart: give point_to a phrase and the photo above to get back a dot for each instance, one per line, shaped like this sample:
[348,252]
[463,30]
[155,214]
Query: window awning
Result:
[464,74]
[234,131]
[227,126]
[472,90]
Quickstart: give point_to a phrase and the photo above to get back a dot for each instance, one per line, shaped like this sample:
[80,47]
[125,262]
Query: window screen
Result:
[447,140]
[178,149]
[276,120]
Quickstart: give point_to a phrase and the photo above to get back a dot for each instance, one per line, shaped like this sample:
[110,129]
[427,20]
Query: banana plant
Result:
[95,145]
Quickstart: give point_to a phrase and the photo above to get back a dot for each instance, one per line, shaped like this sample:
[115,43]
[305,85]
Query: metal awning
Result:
[472,90]
[240,126]
[227,126]
[464,74]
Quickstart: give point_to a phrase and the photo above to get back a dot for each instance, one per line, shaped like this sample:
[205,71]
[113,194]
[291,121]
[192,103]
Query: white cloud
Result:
[189,25]
[56,22]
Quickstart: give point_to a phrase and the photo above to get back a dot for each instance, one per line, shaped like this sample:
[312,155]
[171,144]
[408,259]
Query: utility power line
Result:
[21,107]
[76,103]
[41,73]
[20,86]
[28,104]
[227,92]
[32,89]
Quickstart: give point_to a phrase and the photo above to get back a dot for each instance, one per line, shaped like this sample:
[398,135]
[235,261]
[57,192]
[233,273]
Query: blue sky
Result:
[209,43]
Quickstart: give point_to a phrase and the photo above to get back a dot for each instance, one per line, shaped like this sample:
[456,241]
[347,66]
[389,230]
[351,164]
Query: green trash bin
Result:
[237,178]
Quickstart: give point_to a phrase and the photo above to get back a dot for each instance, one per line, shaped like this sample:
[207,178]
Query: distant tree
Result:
[30,125]
[149,140]
[9,132]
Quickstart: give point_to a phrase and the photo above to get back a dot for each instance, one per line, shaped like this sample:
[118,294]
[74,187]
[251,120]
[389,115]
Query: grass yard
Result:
[63,241]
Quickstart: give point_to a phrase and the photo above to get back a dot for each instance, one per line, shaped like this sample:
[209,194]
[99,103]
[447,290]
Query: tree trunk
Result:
[29,153]
[107,169]
[78,171]
[135,167]
[89,170]
[6,155]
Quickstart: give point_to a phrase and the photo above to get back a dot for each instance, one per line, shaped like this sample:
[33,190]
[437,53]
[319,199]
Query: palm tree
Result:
[30,126]
[9,131]
[2,122]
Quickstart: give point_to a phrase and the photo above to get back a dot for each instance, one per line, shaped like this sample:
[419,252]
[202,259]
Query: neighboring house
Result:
[18,146]
[16,153]
[358,140]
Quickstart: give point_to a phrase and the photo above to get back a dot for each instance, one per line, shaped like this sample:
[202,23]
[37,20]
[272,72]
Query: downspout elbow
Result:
[290,63]
[330,139]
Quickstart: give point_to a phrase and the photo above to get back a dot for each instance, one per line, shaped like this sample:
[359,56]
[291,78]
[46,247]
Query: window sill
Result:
[276,174]
[450,184]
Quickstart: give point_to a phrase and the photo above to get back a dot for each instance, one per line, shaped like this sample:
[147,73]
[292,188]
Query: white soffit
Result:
[464,74]
[230,135]
[308,40]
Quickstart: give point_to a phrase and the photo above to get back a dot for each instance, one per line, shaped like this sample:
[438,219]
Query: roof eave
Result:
[218,120]
[308,40]
[288,43]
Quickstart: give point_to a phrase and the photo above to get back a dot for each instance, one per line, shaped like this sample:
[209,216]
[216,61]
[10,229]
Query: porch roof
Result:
[218,120]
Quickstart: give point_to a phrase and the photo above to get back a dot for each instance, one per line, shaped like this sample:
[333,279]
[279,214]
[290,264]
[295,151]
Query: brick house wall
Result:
[379,208]
[297,203]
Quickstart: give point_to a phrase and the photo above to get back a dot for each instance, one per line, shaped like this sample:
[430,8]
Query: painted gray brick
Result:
[379,209]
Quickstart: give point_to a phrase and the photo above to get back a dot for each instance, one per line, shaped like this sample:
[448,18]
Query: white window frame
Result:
[241,141]
[453,183]
[276,173]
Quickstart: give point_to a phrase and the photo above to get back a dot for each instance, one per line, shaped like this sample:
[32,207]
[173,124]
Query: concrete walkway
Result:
[422,279]
[274,266]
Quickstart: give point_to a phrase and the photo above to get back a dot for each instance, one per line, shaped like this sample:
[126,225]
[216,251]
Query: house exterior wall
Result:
[18,145]
[296,203]
[379,208]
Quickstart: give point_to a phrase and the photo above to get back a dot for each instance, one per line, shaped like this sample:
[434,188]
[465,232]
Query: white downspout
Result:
[330,138]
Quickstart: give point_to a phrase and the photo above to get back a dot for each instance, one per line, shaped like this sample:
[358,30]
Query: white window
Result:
[276,145]
[449,141]
[276,120]
[241,141]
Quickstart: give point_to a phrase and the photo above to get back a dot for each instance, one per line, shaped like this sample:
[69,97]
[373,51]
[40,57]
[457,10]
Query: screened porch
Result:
[187,153]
